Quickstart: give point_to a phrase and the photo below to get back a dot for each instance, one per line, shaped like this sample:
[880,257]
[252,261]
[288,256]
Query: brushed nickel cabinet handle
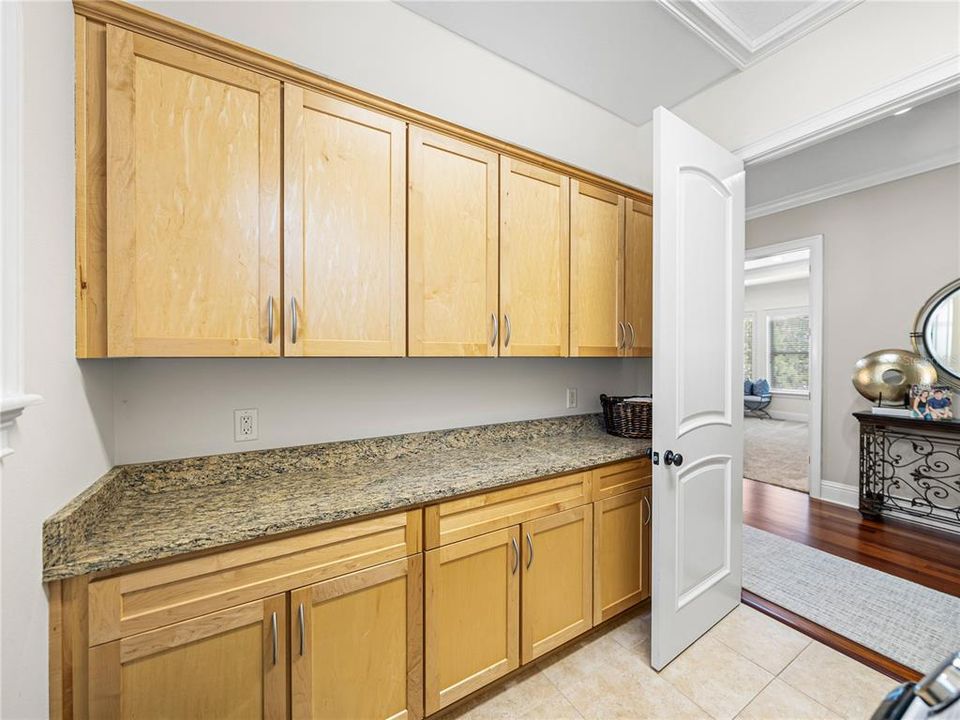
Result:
[633,335]
[506,340]
[621,335]
[646,502]
[300,621]
[293,321]
[270,320]
[530,553]
[496,329]
[516,555]
[276,639]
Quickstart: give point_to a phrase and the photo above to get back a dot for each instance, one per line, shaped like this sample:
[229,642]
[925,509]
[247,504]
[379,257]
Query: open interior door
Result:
[698,238]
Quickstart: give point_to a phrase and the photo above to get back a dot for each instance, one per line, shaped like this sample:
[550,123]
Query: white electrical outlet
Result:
[245,425]
[571,398]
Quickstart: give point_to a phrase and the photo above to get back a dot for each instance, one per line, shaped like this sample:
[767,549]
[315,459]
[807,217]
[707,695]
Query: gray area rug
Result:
[912,624]
[776,452]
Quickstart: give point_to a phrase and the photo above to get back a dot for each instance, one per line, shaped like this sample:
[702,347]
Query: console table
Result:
[910,467]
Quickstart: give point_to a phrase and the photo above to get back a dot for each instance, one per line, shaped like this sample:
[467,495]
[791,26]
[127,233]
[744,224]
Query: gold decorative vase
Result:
[886,375]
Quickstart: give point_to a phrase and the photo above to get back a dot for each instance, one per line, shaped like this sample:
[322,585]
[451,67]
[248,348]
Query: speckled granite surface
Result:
[137,513]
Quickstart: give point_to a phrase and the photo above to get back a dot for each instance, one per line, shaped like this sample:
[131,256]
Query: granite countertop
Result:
[139,513]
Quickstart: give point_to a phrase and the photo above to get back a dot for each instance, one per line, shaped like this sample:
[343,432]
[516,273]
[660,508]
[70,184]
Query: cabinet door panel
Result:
[357,652]
[452,246]
[557,580]
[345,227]
[638,279]
[230,664]
[534,260]
[621,553]
[472,602]
[596,271]
[193,187]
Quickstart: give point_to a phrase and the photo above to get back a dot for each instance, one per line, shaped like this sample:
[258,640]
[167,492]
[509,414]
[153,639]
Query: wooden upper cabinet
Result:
[638,279]
[534,260]
[229,664]
[596,275]
[344,228]
[452,253]
[357,645]
[193,193]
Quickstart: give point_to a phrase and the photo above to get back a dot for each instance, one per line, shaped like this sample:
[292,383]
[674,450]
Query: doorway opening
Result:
[781,325]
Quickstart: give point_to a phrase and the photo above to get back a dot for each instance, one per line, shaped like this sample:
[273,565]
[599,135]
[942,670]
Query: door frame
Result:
[813,243]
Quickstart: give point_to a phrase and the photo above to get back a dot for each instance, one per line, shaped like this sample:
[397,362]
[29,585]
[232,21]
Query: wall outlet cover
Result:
[571,398]
[245,425]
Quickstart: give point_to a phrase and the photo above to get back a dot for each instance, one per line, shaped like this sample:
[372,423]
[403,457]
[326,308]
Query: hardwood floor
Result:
[925,556]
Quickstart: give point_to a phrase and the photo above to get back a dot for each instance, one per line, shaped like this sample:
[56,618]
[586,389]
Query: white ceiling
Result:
[926,138]
[630,56]
[627,57]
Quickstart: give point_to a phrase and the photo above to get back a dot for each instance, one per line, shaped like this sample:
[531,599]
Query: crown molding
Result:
[849,185]
[707,19]
[926,83]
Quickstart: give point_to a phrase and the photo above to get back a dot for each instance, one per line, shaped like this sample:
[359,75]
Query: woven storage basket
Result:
[627,419]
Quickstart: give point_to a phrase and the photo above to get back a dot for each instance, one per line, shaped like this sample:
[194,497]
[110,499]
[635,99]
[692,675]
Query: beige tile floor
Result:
[749,666]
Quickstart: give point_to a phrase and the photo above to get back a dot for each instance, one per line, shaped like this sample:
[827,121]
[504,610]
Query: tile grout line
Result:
[560,690]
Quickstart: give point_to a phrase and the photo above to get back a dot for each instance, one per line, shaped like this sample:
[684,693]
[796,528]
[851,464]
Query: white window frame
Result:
[752,315]
[777,314]
[13,398]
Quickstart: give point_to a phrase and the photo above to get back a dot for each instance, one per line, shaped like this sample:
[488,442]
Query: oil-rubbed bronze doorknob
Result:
[672,458]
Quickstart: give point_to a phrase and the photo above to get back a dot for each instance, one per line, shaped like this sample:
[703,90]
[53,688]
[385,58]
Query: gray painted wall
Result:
[886,250]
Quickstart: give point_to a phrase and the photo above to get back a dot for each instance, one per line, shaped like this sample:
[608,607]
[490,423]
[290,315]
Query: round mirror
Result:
[936,333]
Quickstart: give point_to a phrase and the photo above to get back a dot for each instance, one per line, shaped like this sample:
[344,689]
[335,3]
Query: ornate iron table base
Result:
[910,468]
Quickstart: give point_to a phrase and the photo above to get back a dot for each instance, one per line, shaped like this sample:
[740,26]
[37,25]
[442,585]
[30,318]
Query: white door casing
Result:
[698,355]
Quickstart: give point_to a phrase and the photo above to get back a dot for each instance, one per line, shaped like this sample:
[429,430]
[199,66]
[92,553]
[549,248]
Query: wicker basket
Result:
[627,419]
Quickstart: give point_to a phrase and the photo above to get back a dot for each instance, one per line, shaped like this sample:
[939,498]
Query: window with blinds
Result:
[748,347]
[788,346]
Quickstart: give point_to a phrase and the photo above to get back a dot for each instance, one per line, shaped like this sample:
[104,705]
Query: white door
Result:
[698,237]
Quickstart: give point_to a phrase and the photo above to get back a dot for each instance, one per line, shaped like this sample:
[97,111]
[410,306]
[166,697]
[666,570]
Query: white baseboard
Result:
[839,493]
[781,415]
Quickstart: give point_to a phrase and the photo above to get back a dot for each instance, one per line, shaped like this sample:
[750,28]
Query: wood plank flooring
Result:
[925,556]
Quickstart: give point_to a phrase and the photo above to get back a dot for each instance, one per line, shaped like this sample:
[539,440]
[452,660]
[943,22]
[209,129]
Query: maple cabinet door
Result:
[596,271]
[452,253]
[228,664]
[345,228]
[472,618]
[534,260]
[621,569]
[557,585]
[357,645]
[638,279]
[193,193]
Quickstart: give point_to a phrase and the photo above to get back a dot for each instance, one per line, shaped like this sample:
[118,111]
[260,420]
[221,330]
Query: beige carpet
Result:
[775,452]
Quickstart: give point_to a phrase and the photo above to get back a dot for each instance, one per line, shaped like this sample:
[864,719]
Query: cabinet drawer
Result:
[133,602]
[468,517]
[621,477]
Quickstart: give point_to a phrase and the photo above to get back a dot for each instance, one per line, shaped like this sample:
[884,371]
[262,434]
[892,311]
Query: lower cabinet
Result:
[356,622]
[472,604]
[557,587]
[356,645]
[621,568]
[228,664]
